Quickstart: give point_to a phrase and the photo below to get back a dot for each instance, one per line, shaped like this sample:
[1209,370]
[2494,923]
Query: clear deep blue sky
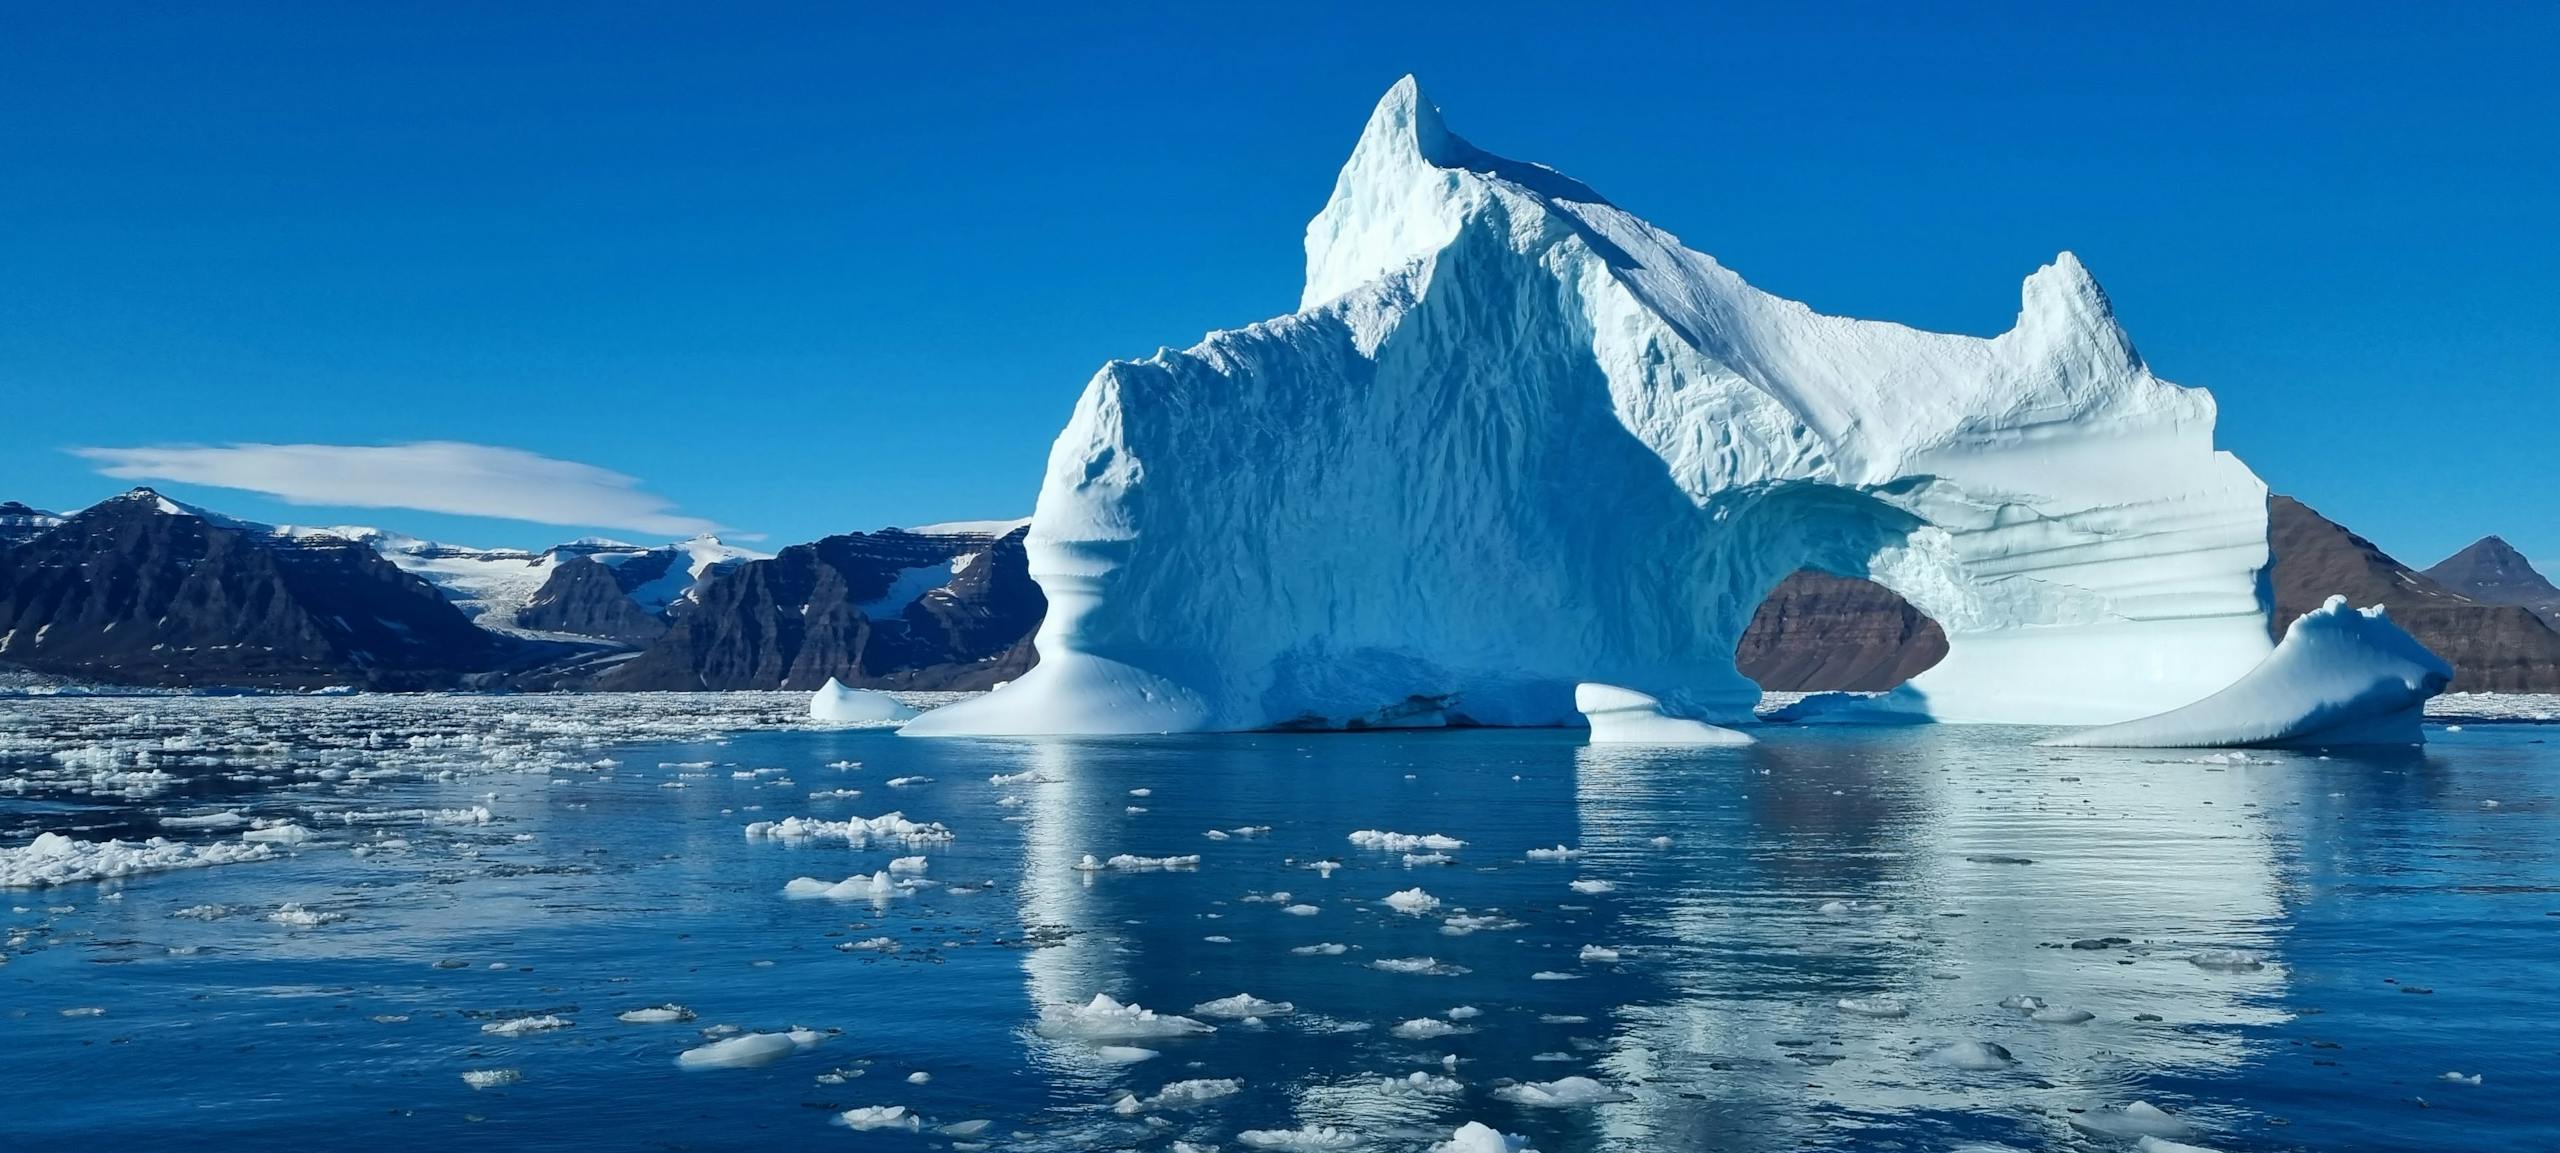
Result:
[809,269]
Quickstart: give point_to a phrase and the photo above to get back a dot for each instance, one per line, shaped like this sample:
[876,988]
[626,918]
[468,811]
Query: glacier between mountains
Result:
[1515,439]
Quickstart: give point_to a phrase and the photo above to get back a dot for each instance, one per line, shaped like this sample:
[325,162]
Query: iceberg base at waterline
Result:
[2342,676]
[1627,717]
[839,703]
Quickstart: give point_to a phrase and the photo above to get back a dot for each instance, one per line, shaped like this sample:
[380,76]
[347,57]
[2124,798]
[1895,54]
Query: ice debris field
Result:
[710,919]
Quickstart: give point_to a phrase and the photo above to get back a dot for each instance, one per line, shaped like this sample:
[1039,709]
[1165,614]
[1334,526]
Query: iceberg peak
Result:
[1405,120]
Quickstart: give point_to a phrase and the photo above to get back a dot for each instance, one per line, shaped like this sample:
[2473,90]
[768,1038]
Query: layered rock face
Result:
[889,609]
[1822,633]
[18,521]
[1516,439]
[142,590]
[2492,572]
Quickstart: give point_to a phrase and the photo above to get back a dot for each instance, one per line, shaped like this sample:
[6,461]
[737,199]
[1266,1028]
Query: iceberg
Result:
[2342,677]
[1628,717]
[1515,439]
[836,702]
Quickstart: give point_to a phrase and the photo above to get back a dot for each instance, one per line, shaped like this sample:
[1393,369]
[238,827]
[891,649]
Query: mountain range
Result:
[143,590]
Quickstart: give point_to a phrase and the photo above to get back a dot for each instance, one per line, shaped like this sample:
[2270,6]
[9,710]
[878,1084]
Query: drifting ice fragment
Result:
[1627,717]
[2342,677]
[1104,1019]
[1562,1093]
[747,1050]
[836,703]
[1478,1137]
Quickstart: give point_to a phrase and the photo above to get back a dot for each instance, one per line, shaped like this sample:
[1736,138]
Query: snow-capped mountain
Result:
[943,606]
[555,593]
[18,521]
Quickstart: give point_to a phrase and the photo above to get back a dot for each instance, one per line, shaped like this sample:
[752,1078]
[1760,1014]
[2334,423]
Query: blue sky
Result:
[793,270]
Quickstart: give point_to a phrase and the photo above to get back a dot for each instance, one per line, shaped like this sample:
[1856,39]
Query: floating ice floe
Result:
[1559,853]
[2061,1015]
[1564,1092]
[1594,954]
[748,1050]
[1594,886]
[1478,1137]
[1411,902]
[1179,1095]
[858,831]
[1426,1029]
[2140,1119]
[490,1078]
[519,1026]
[1125,1054]
[1386,842]
[293,915]
[869,1117]
[1977,1056]
[2229,960]
[836,703]
[1426,966]
[1105,1019]
[1243,1005]
[1873,1007]
[879,886]
[1627,717]
[1321,949]
[2340,677]
[56,859]
[655,1015]
[286,833]
[1423,1083]
[1306,1139]
[222,820]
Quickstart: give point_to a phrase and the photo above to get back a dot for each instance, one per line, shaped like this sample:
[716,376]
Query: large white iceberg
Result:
[2343,676]
[1515,438]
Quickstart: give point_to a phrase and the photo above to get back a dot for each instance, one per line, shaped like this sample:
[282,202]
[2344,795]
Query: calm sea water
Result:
[2388,920]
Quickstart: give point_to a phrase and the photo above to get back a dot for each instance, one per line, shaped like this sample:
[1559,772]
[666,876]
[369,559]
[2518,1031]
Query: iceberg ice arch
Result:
[2341,677]
[1515,438]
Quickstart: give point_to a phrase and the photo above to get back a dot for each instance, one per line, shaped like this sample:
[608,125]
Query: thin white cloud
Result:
[433,476]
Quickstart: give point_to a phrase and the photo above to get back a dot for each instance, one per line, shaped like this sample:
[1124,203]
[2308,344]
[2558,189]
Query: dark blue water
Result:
[2403,928]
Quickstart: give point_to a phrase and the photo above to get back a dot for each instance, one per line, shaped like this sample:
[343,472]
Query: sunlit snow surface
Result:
[1846,938]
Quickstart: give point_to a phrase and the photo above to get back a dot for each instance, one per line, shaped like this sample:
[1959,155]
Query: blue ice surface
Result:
[1947,867]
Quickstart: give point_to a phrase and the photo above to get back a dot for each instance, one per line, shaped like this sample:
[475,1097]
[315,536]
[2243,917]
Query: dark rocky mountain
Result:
[587,596]
[1821,633]
[2493,647]
[2492,572]
[18,522]
[143,590]
[888,609]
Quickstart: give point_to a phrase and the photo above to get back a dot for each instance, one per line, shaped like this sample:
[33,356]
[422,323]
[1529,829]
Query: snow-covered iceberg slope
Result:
[2342,676]
[1515,438]
[1628,717]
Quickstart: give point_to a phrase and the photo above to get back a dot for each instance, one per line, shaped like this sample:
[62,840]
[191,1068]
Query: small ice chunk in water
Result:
[292,914]
[1427,966]
[656,1015]
[1478,1137]
[2234,960]
[1307,1139]
[1180,1095]
[1425,1083]
[2140,1119]
[1562,1093]
[746,1050]
[870,1117]
[1322,949]
[2156,1145]
[519,1026]
[2459,1079]
[1978,1056]
[1873,1007]
[1559,853]
[1243,1005]
[837,703]
[1426,1029]
[919,1077]
[907,865]
[284,834]
[1594,954]
[1592,886]
[1411,902]
[876,887]
[2062,1015]
[1405,842]
[1104,1019]
[1124,1054]
[490,1078]
[1301,910]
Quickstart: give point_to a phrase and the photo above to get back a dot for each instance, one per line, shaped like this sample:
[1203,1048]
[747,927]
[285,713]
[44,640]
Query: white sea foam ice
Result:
[2139,1119]
[1411,902]
[57,859]
[490,1078]
[1106,1019]
[859,831]
[519,1026]
[1563,1092]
